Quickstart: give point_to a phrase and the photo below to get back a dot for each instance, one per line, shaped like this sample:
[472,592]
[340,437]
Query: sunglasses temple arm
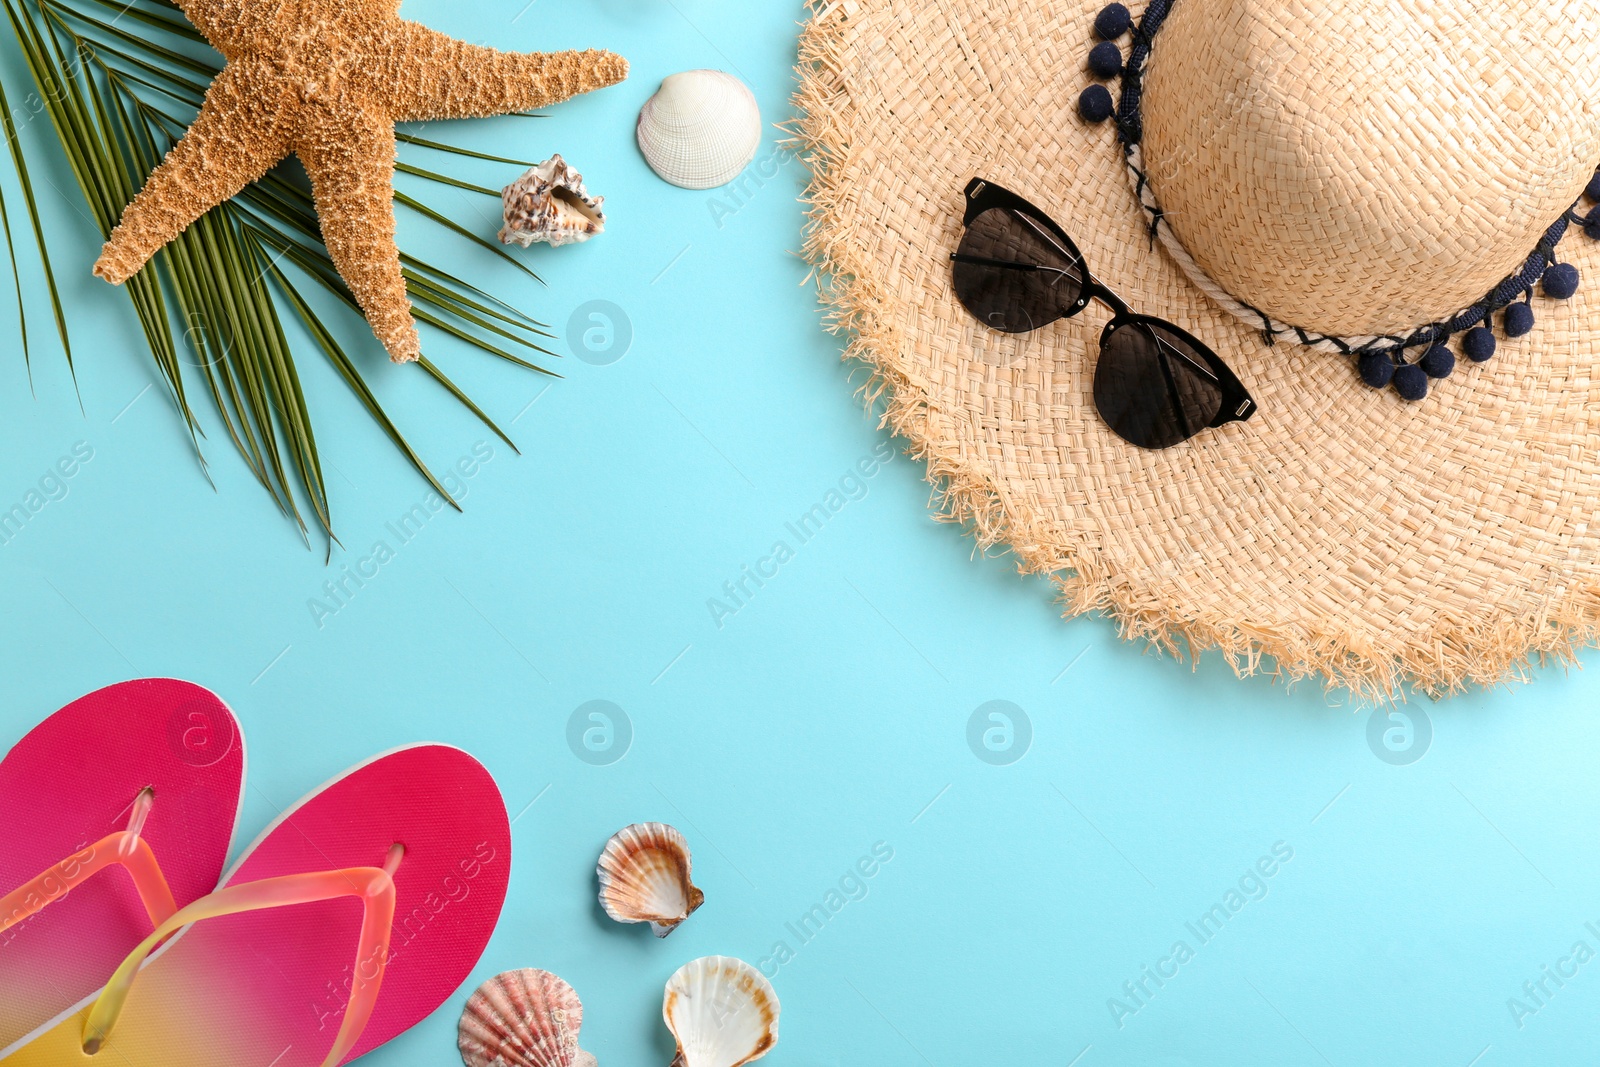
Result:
[1008,264]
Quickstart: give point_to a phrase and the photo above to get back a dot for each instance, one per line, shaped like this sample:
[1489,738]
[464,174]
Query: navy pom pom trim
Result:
[1410,381]
[1437,362]
[1519,320]
[1113,21]
[1377,369]
[1095,103]
[1105,60]
[1479,344]
[1561,281]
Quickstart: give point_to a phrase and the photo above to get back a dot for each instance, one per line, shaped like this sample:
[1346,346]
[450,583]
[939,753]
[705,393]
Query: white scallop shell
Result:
[700,129]
[645,877]
[549,203]
[527,1018]
[722,1012]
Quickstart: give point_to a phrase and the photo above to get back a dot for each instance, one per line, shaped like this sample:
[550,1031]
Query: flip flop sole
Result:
[271,987]
[72,781]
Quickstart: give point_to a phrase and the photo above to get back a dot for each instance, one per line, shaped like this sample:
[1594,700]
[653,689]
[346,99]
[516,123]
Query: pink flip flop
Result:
[145,776]
[350,920]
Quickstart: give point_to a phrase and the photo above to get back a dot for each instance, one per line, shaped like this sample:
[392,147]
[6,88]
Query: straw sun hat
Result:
[1352,204]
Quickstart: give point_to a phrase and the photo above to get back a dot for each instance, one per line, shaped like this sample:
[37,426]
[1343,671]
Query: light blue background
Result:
[831,711]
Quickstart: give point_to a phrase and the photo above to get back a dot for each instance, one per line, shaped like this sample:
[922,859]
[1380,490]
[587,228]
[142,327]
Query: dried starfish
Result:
[327,80]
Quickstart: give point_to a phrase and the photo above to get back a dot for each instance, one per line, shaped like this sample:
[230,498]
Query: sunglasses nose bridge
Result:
[1118,308]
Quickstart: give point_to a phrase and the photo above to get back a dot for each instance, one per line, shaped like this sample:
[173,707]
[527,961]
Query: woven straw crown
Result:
[1354,168]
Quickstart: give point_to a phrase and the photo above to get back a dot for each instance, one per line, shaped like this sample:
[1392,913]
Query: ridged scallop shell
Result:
[700,129]
[722,1012]
[527,1018]
[549,203]
[644,877]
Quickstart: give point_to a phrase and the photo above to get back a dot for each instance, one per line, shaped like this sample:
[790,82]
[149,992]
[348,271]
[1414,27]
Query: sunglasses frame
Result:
[984,195]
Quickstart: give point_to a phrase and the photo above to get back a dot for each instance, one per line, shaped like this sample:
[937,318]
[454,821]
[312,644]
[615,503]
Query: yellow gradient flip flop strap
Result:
[374,886]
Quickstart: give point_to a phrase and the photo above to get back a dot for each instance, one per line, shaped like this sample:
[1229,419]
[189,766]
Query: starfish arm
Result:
[349,153]
[233,141]
[430,75]
[227,24]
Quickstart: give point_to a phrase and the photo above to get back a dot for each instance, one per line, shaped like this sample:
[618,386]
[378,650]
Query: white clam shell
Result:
[722,1012]
[645,877]
[527,1018]
[700,129]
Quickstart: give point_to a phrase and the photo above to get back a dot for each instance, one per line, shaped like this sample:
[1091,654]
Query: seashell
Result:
[527,1018]
[722,1012]
[700,129]
[549,203]
[644,877]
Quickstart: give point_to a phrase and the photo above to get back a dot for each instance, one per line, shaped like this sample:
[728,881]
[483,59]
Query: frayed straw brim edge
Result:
[1488,650]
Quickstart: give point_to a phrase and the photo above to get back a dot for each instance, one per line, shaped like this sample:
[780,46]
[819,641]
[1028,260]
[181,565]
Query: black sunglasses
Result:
[1154,384]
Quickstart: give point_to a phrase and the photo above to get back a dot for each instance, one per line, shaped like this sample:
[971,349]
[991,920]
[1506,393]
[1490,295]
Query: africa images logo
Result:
[1399,736]
[198,735]
[999,733]
[599,732]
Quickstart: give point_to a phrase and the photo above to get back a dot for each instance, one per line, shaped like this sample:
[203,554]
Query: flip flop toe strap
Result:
[374,886]
[125,848]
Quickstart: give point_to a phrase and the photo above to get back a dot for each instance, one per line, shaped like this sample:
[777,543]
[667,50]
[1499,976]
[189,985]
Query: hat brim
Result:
[1341,533]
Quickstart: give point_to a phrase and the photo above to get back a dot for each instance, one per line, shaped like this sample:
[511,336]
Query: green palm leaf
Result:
[118,83]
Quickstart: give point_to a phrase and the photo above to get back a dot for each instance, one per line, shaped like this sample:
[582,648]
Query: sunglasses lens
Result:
[1008,298]
[1154,386]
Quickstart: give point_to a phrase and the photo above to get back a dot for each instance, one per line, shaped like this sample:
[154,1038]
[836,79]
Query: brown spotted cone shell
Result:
[550,204]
